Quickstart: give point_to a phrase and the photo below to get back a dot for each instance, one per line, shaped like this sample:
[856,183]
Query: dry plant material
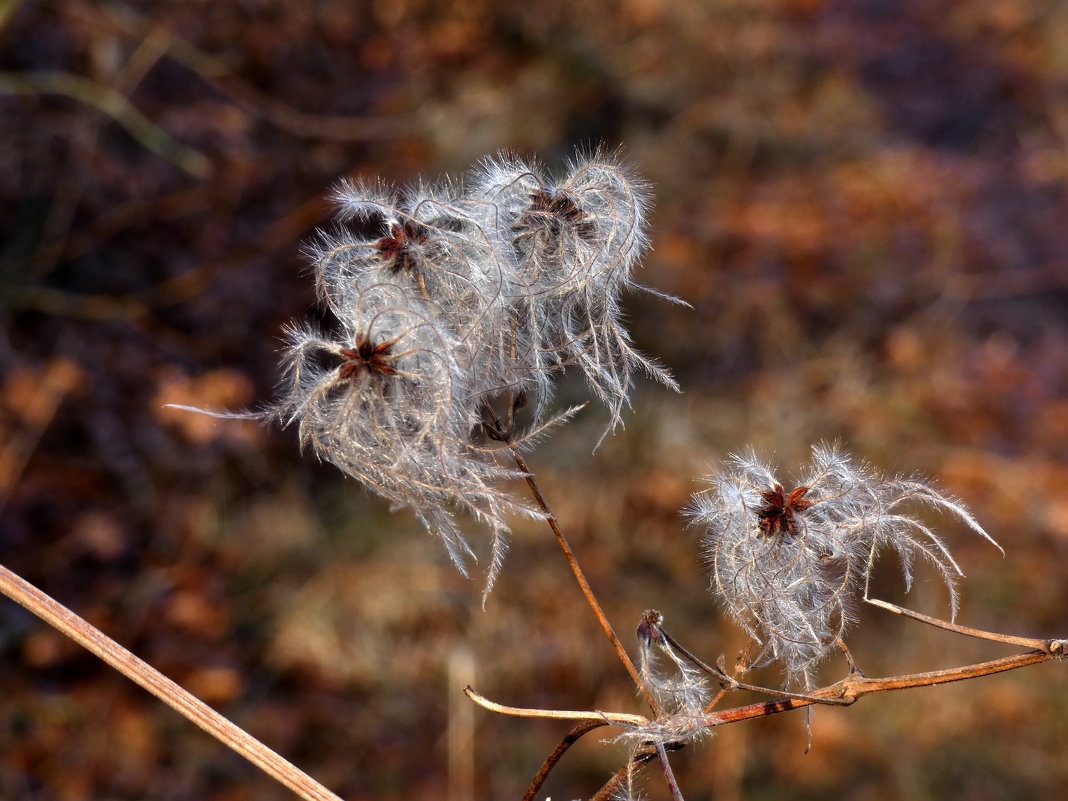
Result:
[480,293]
[451,310]
[790,567]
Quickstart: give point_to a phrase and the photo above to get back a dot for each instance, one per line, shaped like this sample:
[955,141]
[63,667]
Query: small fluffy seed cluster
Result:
[679,689]
[788,563]
[455,304]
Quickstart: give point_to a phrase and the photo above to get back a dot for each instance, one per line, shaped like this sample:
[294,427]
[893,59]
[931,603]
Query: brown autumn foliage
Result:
[865,203]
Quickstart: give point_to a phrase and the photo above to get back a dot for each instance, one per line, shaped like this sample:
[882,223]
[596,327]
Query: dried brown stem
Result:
[731,683]
[1051,646]
[604,718]
[669,774]
[580,577]
[565,744]
[845,692]
[140,672]
[854,686]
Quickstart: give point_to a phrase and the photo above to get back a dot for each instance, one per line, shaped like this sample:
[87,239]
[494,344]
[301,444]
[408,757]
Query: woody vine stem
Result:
[652,633]
[844,692]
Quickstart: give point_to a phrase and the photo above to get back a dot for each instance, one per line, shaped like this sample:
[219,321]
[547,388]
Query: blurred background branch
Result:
[110,102]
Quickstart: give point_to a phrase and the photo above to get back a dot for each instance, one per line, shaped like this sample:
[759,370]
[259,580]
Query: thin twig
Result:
[580,577]
[606,718]
[845,692]
[855,686]
[669,774]
[723,690]
[135,669]
[849,689]
[1050,646]
[547,766]
[731,683]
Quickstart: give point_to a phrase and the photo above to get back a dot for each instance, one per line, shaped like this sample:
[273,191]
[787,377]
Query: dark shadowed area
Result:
[866,205]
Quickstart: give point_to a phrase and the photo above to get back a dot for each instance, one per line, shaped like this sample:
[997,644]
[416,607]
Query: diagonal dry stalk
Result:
[92,639]
[580,576]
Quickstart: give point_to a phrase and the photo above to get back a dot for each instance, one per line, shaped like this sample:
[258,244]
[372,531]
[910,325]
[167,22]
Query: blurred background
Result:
[866,204]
